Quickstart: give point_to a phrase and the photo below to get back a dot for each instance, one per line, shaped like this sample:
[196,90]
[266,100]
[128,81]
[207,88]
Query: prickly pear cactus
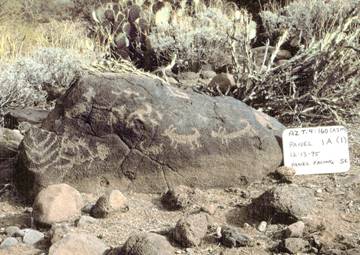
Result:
[124,28]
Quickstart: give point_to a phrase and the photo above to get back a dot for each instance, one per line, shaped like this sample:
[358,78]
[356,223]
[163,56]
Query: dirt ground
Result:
[335,223]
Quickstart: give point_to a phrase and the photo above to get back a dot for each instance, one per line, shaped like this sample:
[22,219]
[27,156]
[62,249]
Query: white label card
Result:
[316,150]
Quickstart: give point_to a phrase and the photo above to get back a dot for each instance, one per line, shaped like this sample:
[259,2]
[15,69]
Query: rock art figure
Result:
[226,137]
[176,138]
[143,114]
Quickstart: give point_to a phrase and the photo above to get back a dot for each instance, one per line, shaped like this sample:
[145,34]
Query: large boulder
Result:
[34,116]
[79,244]
[9,143]
[132,131]
[146,244]
[57,203]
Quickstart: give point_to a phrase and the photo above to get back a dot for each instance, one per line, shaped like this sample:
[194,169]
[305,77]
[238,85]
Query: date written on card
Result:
[316,150]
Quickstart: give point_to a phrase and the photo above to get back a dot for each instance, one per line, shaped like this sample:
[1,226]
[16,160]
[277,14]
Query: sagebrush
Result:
[22,82]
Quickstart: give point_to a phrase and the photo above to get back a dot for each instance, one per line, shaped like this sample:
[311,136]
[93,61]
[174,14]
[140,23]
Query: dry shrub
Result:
[190,35]
[307,19]
[34,54]
[320,85]
[201,36]
[22,82]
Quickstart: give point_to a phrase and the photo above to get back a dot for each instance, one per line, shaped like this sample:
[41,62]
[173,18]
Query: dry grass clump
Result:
[307,19]
[37,54]
[20,39]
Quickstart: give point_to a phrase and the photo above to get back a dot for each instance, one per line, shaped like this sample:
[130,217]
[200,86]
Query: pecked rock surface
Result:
[133,132]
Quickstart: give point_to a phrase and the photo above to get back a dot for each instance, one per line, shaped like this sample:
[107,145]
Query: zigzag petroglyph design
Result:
[226,137]
[153,149]
[175,138]
[60,152]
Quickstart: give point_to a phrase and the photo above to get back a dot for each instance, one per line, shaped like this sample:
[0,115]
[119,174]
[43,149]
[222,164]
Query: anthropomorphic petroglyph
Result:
[116,114]
[144,114]
[89,95]
[76,110]
[175,138]
[226,137]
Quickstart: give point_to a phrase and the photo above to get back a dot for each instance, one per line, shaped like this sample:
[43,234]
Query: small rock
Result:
[57,203]
[10,231]
[285,174]
[189,251]
[284,204]
[296,245]
[295,230]
[262,226]
[85,220]
[222,82]
[209,208]
[283,54]
[8,242]
[190,230]
[207,74]
[190,76]
[231,237]
[246,225]
[113,201]
[21,249]
[355,251]
[32,236]
[79,244]
[28,210]
[147,244]
[318,192]
[34,116]
[180,197]
[9,142]
[20,233]
[87,208]
[58,231]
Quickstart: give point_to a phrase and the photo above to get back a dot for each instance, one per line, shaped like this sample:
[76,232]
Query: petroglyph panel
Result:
[184,138]
[176,138]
